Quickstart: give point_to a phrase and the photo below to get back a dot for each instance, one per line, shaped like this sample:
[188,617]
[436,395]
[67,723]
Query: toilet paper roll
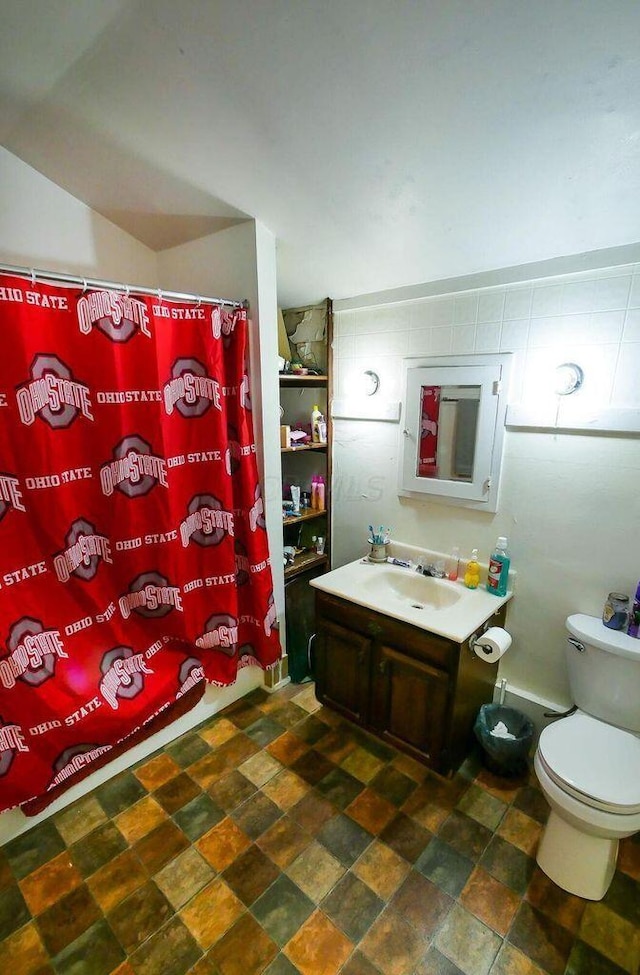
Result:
[493,643]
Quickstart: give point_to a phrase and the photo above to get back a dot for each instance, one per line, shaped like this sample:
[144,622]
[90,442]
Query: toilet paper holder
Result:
[491,644]
[476,636]
[473,639]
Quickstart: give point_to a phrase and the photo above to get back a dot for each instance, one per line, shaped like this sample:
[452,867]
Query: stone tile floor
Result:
[277,838]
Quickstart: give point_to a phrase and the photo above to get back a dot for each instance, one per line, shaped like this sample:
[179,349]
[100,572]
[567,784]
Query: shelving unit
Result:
[294,379]
[304,446]
[304,562]
[306,514]
[298,395]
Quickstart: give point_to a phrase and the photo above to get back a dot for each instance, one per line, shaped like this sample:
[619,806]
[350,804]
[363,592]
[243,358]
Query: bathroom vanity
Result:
[393,656]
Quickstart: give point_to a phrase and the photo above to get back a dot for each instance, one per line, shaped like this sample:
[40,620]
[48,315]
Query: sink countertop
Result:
[445,608]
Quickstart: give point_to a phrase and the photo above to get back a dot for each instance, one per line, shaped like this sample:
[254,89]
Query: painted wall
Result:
[569,504]
[43,226]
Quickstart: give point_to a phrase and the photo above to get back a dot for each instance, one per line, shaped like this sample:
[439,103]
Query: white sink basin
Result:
[445,608]
[413,588]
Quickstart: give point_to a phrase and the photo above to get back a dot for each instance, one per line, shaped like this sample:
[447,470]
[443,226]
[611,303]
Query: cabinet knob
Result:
[382,666]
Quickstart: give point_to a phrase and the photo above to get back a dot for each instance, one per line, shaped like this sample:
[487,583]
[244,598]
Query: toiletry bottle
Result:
[321,493]
[615,614]
[472,575]
[314,491]
[498,575]
[454,564]
[316,416]
[634,616]
[295,497]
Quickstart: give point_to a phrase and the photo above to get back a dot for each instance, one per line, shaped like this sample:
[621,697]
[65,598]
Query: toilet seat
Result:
[594,762]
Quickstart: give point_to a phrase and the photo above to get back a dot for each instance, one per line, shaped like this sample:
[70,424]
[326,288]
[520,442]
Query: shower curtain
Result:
[134,561]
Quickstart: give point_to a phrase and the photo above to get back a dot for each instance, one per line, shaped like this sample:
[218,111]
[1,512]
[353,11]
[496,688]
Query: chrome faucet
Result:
[434,569]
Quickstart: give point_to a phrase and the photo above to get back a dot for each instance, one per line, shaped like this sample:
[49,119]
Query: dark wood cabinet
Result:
[409,703]
[418,691]
[342,670]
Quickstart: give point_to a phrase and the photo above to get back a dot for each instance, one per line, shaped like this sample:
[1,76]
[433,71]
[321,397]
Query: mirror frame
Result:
[492,374]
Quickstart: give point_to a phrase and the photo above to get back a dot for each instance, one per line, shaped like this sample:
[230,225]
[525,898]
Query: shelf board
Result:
[306,514]
[306,446]
[307,560]
[289,379]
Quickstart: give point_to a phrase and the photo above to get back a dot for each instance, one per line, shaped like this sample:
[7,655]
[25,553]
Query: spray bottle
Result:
[454,564]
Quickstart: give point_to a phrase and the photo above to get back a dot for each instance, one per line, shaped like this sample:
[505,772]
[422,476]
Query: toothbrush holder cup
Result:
[378,552]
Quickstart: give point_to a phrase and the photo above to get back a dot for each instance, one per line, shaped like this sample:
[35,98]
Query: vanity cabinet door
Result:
[410,705]
[342,670]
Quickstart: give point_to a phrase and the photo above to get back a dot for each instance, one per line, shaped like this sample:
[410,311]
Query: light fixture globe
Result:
[369,382]
[568,378]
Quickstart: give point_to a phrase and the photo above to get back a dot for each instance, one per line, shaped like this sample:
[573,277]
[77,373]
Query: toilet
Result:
[588,764]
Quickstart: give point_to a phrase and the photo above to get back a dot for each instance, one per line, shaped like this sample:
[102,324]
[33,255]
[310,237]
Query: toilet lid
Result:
[595,762]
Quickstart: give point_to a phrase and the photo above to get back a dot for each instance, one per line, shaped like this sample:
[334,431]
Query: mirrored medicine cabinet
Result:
[452,428]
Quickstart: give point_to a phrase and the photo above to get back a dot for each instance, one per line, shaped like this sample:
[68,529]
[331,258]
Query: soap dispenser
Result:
[472,574]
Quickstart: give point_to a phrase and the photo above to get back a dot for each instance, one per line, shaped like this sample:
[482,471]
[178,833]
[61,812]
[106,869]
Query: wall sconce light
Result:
[568,378]
[369,382]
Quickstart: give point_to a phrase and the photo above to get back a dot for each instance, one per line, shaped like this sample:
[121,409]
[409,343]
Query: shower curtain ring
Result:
[33,277]
[160,295]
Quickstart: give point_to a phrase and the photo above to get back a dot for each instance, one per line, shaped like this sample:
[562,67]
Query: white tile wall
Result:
[568,503]
[488,337]
[625,384]
[547,300]
[634,297]
[517,303]
[491,306]
[591,317]
[612,293]
[631,331]
[577,297]
[464,339]
[441,340]
[465,309]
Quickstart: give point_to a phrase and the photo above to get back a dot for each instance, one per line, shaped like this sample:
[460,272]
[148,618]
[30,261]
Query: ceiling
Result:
[383,143]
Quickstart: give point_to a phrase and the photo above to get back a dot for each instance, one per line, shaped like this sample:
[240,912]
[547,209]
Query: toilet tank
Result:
[604,671]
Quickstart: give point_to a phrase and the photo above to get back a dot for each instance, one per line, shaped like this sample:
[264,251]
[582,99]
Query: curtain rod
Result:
[34,274]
